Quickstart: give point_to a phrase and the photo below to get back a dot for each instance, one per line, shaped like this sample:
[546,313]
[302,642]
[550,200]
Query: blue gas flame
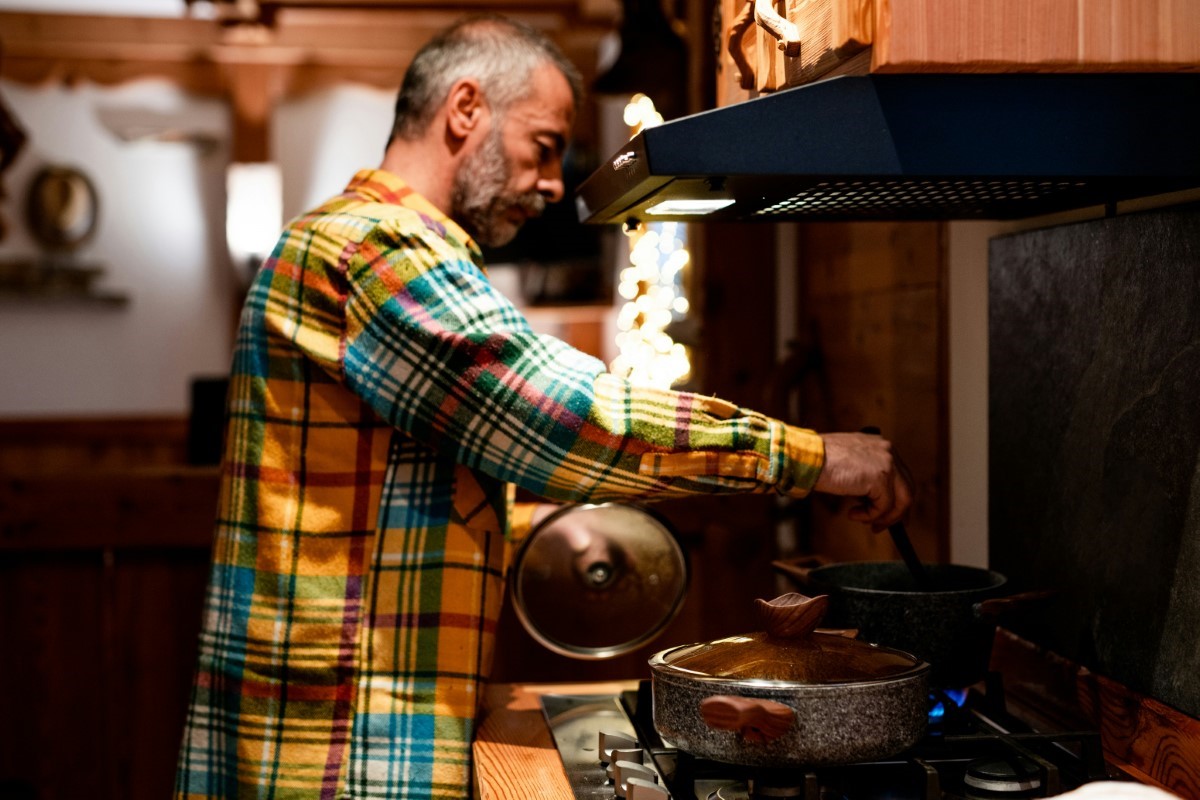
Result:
[956,696]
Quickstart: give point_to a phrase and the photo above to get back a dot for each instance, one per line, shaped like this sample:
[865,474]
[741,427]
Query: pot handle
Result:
[993,607]
[799,568]
[757,720]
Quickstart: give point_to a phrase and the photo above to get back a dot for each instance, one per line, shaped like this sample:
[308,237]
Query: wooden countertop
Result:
[515,757]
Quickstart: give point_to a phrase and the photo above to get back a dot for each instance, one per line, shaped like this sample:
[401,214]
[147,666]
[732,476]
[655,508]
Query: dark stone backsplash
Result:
[1095,442]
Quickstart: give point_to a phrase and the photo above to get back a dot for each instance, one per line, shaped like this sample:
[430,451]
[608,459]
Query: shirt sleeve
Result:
[436,351]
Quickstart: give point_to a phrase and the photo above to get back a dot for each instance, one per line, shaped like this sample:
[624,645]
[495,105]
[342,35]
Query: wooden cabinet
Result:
[1050,35]
[820,38]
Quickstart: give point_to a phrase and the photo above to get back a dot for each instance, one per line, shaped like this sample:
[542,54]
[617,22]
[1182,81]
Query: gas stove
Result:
[974,749]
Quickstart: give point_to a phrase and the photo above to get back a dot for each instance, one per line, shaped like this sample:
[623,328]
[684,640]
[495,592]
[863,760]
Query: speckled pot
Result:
[832,723]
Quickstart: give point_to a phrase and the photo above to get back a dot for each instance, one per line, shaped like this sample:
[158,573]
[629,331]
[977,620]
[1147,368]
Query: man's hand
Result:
[862,465]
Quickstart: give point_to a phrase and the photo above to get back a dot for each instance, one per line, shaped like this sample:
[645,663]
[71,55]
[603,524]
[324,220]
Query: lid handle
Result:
[792,615]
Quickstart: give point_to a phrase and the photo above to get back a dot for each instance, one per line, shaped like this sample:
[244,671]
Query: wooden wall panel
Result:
[93,510]
[874,313]
[63,445]
[1151,741]
[99,652]
[104,547]
[53,738]
[156,605]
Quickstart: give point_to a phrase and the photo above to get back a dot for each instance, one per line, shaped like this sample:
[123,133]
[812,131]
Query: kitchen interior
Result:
[1005,288]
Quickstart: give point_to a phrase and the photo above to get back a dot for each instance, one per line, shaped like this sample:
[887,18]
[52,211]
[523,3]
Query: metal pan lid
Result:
[598,581]
[792,650]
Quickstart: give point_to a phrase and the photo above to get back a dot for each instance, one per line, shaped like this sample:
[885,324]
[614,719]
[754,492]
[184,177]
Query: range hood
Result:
[910,147]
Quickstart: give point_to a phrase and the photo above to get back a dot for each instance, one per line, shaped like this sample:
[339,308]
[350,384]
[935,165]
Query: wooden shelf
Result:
[63,300]
[45,282]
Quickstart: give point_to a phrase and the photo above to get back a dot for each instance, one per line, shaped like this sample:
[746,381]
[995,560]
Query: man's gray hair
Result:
[500,53]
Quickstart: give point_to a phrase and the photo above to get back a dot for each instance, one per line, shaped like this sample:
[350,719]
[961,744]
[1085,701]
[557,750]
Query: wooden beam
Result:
[307,48]
[68,48]
[318,46]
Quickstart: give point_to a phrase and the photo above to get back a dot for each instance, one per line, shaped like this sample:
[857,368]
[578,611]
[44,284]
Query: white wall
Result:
[967,255]
[159,238]
[140,8]
[321,140]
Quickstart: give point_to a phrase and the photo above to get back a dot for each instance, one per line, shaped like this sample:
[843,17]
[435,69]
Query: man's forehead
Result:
[550,101]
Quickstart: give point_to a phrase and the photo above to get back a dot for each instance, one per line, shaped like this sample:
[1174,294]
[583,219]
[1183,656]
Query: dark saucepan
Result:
[951,624]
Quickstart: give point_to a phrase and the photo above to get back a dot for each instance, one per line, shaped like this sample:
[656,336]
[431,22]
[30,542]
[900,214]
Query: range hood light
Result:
[689,207]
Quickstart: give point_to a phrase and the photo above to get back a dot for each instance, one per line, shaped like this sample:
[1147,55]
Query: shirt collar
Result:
[384,187]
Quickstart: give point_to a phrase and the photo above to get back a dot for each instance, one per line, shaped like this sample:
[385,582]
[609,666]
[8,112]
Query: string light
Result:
[652,287]
[640,113]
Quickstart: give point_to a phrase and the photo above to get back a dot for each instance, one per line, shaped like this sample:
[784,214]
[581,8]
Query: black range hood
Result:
[911,147]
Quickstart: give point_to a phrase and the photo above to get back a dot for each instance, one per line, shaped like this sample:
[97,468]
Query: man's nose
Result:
[550,185]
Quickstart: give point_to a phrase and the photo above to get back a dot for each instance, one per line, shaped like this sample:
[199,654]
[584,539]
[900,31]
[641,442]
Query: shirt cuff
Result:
[804,457]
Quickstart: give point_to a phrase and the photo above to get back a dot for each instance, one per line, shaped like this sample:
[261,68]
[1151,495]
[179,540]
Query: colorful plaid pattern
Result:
[384,400]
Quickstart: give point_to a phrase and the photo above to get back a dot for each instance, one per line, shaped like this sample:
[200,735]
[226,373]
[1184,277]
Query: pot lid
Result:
[597,581]
[791,650]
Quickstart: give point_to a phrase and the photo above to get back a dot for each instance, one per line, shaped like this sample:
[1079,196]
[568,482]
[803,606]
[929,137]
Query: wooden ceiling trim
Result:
[255,66]
[329,46]
[569,7]
[72,48]
[267,11]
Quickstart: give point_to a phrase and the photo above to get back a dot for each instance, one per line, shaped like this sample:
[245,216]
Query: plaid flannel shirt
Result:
[384,399]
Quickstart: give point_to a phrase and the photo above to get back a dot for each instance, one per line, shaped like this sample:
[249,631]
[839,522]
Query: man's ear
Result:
[466,108]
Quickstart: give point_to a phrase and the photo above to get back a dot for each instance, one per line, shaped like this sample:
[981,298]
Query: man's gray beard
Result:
[479,200]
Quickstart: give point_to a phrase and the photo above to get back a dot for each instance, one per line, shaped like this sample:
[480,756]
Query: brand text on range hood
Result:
[911,147]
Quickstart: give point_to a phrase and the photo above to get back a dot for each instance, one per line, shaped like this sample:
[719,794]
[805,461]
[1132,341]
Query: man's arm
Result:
[446,358]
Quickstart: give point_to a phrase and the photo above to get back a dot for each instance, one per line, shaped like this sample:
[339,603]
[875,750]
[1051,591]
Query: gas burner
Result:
[1016,776]
[769,790]
[978,752]
[757,790]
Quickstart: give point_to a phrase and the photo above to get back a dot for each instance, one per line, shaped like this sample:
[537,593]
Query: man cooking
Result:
[384,402]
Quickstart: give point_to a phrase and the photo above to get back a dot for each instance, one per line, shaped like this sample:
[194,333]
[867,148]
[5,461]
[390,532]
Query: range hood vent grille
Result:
[911,147]
[917,199]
